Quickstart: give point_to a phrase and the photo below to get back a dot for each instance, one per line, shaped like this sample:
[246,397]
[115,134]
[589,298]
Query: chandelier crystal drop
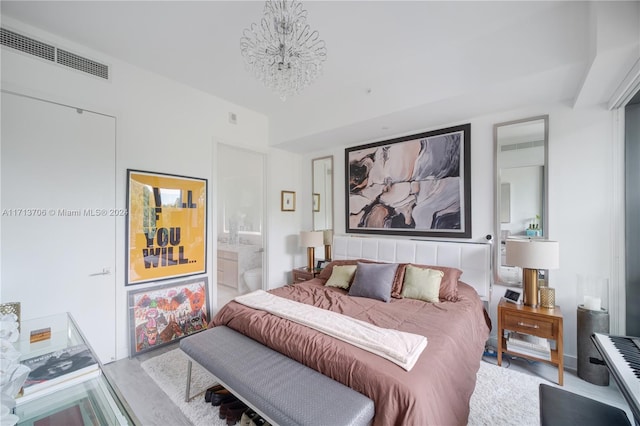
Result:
[282,51]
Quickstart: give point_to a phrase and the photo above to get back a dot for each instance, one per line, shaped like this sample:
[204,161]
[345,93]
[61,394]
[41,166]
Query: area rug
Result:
[501,397]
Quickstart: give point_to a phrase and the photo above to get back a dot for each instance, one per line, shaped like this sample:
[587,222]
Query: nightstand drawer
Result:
[303,274]
[537,326]
[298,279]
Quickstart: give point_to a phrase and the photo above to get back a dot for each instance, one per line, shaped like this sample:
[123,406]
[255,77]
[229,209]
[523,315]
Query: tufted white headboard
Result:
[474,259]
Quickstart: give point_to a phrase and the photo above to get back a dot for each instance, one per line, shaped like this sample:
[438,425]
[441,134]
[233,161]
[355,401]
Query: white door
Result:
[58,233]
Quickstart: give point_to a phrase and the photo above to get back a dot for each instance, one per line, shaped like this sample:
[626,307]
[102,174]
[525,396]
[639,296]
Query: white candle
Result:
[593,303]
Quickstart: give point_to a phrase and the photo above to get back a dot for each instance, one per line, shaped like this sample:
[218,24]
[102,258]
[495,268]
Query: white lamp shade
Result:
[311,239]
[328,237]
[533,253]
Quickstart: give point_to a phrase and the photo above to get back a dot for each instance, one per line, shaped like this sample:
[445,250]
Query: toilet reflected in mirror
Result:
[253,279]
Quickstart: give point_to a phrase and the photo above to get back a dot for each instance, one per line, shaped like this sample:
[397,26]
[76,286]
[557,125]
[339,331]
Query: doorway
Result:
[58,245]
[240,221]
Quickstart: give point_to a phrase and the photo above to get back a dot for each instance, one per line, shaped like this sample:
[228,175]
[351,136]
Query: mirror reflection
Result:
[521,187]
[322,190]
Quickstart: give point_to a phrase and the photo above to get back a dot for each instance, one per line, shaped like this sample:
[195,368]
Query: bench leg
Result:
[188,390]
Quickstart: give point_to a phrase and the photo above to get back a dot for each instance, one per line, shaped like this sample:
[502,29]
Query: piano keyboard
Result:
[629,348]
[622,356]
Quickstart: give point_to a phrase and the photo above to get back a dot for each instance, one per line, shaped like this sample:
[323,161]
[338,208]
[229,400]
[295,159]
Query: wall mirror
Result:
[240,195]
[521,187]
[322,191]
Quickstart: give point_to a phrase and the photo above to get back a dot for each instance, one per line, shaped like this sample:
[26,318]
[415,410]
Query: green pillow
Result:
[341,276]
[422,284]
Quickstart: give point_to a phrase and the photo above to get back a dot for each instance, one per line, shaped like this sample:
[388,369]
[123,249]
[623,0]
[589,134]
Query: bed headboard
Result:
[474,259]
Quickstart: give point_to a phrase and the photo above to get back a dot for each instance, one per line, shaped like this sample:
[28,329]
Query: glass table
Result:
[65,394]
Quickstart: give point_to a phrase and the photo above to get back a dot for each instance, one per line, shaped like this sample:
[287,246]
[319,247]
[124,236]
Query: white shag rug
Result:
[505,397]
[501,397]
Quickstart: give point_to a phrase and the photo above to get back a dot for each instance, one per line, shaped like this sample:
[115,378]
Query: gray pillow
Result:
[374,280]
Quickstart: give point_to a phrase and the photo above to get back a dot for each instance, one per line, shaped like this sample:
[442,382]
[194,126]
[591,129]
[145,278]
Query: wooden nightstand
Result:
[541,322]
[303,274]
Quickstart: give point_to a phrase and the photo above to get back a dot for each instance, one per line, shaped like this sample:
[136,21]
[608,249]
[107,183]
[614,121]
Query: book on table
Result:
[524,351]
[526,344]
[59,367]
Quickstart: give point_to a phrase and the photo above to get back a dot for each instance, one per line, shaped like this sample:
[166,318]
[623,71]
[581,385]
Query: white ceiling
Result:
[392,67]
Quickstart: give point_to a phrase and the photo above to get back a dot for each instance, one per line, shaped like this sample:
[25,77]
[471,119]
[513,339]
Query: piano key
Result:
[621,354]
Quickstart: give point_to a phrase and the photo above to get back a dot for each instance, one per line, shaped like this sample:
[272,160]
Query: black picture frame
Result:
[166,226]
[417,185]
[321,264]
[512,296]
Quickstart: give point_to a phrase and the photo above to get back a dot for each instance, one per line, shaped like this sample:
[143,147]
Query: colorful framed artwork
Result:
[316,202]
[287,201]
[166,227]
[163,314]
[418,185]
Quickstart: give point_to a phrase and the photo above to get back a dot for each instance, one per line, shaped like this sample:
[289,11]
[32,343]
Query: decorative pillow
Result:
[448,285]
[325,274]
[422,284]
[341,276]
[374,280]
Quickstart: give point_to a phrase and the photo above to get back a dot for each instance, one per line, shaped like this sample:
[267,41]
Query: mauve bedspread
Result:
[438,388]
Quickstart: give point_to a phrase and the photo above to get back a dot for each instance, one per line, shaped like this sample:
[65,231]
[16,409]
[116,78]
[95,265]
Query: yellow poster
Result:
[166,227]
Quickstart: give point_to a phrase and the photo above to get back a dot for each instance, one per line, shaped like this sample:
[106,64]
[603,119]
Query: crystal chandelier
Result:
[282,51]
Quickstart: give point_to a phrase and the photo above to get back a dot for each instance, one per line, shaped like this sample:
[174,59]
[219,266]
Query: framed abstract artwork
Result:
[166,226]
[417,185]
[162,314]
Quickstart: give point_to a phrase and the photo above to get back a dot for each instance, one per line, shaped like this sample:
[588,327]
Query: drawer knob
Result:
[524,324]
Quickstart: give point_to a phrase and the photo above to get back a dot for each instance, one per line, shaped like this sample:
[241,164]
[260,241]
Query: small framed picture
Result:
[287,201]
[321,264]
[512,296]
[316,202]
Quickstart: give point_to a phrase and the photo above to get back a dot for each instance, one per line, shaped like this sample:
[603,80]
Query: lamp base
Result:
[311,254]
[327,252]
[530,286]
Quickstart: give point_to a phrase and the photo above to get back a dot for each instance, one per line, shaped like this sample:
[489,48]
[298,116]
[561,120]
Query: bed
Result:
[437,389]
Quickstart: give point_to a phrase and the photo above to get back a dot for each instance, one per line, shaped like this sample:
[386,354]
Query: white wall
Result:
[161,125]
[581,200]
[285,171]
[168,127]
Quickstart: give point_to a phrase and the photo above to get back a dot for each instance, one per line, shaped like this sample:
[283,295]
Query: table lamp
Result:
[328,240]
[311,240]
[531,255]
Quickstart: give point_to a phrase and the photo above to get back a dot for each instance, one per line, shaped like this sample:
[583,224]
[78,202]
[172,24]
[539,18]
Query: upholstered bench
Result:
[281,390]
[559,408]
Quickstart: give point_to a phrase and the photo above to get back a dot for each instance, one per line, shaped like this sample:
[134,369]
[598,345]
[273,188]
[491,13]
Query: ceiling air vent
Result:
[79,63]
[54,54]
[27,45]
